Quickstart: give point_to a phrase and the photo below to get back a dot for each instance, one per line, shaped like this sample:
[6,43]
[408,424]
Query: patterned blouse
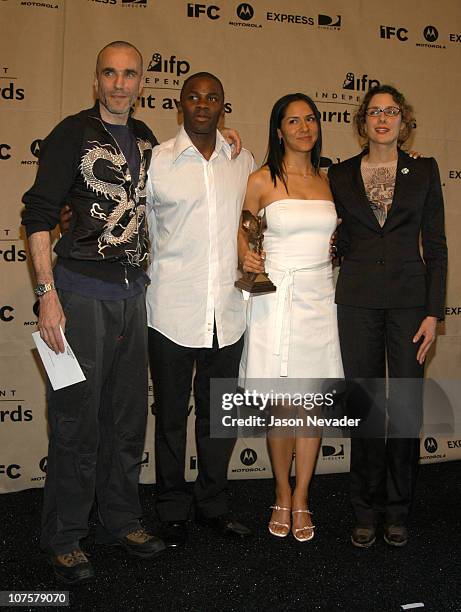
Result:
[379,182]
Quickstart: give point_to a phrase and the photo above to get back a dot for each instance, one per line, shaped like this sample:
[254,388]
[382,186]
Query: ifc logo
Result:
[248,456]
[430,444]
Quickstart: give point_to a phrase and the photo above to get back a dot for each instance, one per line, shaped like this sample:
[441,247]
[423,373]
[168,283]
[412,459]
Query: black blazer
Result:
[382,266]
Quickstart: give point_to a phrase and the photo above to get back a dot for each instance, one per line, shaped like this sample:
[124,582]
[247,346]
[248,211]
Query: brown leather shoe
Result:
[72,568]
[395,535]
[139,543]
[363,536]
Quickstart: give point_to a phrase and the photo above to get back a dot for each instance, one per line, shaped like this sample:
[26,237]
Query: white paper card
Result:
[63,369]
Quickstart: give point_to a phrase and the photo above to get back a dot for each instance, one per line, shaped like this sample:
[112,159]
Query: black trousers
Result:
[172,368]
[97,427]
[383,469]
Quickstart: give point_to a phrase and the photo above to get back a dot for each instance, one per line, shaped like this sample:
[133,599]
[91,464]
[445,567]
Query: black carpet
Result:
[266,573]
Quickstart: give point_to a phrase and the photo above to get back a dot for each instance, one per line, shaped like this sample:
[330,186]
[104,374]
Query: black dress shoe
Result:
[174,533]
[395,535]
[363,536]
[72,568]
[225,525]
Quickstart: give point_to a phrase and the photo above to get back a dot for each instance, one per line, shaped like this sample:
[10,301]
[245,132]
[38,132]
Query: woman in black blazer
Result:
[389,299]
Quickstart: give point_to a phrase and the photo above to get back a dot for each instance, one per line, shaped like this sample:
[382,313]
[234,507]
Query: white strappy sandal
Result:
[277,523]
[298,530]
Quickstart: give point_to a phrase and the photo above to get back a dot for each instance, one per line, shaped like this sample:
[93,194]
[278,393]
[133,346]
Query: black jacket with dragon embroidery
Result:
[81,164]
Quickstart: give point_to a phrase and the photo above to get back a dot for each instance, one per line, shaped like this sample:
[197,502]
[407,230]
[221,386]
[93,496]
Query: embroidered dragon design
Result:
[117,192]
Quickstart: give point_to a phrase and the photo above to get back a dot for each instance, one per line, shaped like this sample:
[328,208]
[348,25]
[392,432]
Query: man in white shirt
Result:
[195,314]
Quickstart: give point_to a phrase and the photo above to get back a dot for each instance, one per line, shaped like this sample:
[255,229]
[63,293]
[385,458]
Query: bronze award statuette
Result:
[254,282]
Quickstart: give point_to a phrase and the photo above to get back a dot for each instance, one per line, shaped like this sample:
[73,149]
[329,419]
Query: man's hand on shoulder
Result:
[233,138]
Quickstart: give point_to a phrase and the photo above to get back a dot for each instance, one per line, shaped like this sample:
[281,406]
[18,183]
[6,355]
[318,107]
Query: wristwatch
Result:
[43,288]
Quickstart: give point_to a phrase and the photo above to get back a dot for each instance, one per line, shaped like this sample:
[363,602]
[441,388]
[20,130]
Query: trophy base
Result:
[257,283]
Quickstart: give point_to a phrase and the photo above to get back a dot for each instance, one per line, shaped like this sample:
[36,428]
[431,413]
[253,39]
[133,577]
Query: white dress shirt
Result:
[193,213]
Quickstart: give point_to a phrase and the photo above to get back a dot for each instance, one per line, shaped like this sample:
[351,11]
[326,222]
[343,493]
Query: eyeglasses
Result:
[389,111]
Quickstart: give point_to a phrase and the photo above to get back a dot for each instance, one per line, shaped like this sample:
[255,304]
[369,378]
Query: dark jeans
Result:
[97,427]
[172,367]
[383,469]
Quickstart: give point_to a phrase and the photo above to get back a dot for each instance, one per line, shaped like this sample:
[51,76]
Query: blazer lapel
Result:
[402,181]
[360,204]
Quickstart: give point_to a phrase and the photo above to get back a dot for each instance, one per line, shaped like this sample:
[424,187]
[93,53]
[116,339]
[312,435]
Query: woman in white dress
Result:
[292,333]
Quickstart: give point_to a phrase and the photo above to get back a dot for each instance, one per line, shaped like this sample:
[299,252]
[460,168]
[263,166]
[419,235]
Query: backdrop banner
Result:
[331,50]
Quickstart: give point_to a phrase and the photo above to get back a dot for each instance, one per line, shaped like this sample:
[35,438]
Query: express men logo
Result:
[431,446]
[134,3]
[388,32]
[356,83]
[326,22]
[451,311]
[289,18]
[171,65]
[207,10]
[456,38]
[248,456]
[5,151]
[454,174]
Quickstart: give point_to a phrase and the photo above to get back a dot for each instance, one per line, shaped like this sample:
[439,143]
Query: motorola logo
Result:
[35,147]
[248,456]
[431,33]
[431,446]
[43,464]
[245,11]
[145,459]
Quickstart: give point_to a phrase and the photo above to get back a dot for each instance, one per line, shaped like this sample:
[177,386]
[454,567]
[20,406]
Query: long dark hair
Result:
[276,148]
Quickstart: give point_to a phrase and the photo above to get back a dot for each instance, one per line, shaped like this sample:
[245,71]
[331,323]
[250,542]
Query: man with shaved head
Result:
[97,161]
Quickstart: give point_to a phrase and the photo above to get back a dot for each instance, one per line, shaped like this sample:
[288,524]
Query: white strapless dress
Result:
[294,332]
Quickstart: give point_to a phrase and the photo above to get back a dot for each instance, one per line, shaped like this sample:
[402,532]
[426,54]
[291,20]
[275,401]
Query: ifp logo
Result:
[248,456]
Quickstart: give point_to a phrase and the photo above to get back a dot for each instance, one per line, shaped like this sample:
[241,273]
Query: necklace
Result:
[305,175]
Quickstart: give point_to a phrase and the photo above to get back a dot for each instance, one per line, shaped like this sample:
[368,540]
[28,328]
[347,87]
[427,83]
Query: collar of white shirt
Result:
[184,145]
